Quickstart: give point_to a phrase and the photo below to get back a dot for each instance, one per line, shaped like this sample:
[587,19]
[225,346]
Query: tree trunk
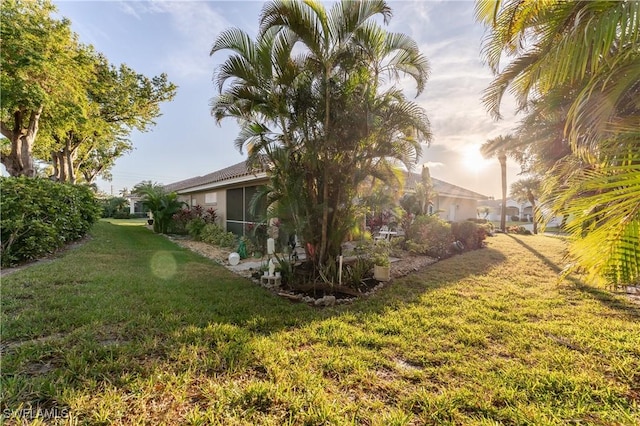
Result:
[532,200]
[70,154]
[19,162]
[63,161]
[60,167]
[503,171]
[325,158]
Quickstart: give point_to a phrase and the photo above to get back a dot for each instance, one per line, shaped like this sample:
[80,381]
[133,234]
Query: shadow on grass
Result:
[603,296]
[109,317]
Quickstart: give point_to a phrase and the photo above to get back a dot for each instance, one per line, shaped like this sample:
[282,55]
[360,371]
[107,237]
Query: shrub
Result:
[515,218]
[115,207]
[214,234]
[40,216]
[515,229]
[194,228]
[181,218]
[469,234]
[430,235]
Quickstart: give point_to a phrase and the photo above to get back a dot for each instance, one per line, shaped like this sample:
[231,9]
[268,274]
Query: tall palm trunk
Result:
[532,200]
[503,172]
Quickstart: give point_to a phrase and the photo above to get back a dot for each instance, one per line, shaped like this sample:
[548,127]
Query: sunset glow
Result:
[473,161]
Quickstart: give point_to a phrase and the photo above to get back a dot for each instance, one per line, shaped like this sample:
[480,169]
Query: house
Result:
[231,189]
[228,190]
[452,203]
[514,209]
[523,211]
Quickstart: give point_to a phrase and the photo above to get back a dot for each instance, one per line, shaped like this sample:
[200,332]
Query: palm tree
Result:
[527,189]
[320,113]
[585,54]
[499,148]
[161,204]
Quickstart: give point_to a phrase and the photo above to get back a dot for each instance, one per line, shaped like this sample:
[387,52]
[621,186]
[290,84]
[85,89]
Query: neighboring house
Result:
[514,208]
[230,190]
[452,203]
[135,204]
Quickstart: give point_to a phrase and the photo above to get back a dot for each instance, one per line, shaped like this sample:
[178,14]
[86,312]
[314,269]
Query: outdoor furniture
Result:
[385,233]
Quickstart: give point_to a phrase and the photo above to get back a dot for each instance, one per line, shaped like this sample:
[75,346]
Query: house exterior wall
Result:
[199,197]
[456,209]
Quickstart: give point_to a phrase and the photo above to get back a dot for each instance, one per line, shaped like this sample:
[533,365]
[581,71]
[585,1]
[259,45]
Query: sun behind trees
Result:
[63,103]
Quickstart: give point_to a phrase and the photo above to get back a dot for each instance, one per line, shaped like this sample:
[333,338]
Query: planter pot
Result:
[382,273]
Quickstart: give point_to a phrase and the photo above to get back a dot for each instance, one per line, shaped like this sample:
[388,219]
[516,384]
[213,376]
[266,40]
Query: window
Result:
[238,209]
[211,198]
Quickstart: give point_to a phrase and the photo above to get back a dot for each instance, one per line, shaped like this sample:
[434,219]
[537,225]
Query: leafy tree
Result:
[117,101]
[527,189]
[320,115]
[584,56]
[81,108]
[42,71]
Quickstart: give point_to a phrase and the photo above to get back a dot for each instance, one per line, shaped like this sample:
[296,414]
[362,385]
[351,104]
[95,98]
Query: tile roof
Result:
[240,170]
[443,188]
[231,172]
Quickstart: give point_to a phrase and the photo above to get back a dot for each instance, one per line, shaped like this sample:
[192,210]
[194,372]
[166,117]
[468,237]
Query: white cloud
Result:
[197,24]
[128,8]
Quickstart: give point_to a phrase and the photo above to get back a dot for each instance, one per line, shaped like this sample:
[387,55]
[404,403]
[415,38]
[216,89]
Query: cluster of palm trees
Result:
[315,97]
[574,68]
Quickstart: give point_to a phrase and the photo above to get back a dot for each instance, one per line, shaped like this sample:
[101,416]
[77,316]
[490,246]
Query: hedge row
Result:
[40,216]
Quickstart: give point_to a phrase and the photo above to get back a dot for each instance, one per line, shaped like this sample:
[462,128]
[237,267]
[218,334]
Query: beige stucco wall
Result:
[198,199]
[456,209]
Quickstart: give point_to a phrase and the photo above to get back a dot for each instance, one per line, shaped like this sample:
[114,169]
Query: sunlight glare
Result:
[473,161]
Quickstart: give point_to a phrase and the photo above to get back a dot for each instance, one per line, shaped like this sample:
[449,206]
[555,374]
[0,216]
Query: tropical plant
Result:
[528,189]
[484,211]
[425,195]
[162,205]
[584,56]
[113,206]
[380,253]
[309,96]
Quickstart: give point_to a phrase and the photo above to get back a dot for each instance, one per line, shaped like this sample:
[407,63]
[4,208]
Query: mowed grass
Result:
[131,329]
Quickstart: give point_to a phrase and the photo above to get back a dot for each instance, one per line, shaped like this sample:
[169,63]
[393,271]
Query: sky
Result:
[175,37]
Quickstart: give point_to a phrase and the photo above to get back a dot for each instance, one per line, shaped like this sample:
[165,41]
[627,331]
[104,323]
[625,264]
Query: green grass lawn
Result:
[131,329]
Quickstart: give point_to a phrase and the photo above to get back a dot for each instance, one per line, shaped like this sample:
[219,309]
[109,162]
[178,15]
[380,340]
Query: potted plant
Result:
[381,262]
